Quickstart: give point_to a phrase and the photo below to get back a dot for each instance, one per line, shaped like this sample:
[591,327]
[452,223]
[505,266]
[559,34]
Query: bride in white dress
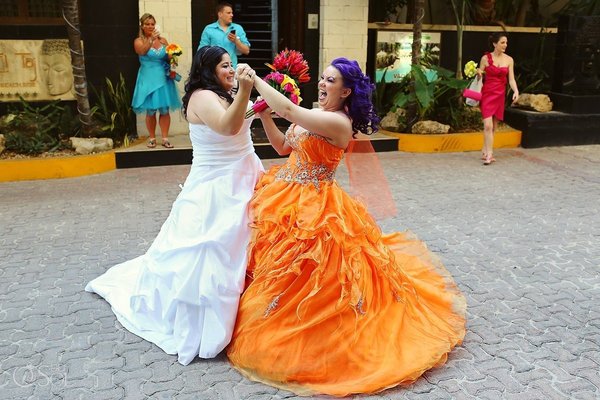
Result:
[183,293]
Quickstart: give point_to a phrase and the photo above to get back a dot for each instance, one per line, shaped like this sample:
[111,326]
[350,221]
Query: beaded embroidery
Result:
[359,307]
[306,173]
[273,305]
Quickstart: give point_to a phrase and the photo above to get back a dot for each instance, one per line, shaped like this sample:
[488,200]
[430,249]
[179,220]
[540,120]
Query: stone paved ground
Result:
[521,237]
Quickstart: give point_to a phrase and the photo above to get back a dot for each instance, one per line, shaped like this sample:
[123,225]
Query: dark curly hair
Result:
[358,104]
[202,74]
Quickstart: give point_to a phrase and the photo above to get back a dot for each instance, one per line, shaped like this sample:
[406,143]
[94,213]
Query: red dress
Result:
[493,92]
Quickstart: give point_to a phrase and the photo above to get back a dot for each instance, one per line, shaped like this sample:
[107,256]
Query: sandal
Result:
[166,144]
[151,143]
[489,159]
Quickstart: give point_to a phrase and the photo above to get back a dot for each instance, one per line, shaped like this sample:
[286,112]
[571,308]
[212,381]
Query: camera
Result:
[232,31]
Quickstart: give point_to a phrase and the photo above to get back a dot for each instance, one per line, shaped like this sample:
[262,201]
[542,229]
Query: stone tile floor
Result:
[521,238]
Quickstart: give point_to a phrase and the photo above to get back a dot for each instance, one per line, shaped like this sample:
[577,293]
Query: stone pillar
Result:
[343,31]
[175,20]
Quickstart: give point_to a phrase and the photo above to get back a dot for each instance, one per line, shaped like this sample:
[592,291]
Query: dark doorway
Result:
[271,26]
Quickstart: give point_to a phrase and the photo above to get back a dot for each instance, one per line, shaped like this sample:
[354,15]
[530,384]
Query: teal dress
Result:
[154,90]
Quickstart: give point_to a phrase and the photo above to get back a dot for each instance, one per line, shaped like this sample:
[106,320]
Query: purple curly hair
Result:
[358,104]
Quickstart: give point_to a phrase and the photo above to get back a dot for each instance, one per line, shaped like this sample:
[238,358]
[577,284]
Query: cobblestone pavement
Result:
[521,237]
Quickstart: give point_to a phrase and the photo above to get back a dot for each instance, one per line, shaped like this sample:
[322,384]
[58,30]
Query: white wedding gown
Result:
[183,293]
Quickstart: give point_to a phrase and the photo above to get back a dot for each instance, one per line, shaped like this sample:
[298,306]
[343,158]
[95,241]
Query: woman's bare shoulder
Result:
[204,94]
[207,100]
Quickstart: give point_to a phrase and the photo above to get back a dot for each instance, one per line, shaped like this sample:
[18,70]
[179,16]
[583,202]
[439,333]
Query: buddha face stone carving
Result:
[55,65]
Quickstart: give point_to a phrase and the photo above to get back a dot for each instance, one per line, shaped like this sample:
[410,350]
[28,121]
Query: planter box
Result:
[555,128]
[56,167]
[452,142]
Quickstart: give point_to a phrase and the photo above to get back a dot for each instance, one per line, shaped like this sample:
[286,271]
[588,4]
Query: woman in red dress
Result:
[497,66]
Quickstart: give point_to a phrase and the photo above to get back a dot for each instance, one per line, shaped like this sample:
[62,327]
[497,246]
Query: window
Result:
[31,12]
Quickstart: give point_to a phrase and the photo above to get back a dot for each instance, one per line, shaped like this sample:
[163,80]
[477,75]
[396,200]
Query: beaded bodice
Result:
[312,161]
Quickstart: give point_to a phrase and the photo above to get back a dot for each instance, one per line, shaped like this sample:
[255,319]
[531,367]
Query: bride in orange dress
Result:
[332,305]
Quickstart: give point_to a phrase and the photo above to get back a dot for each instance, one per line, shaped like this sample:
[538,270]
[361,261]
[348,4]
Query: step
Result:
[138,155]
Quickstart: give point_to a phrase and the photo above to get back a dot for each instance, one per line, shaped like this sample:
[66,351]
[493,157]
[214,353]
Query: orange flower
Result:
[174,50]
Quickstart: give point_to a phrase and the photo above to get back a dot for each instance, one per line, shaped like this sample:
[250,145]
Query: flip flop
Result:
[151,143]
[166,144]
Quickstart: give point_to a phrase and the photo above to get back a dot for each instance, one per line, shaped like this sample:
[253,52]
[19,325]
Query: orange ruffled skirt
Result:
[333,306]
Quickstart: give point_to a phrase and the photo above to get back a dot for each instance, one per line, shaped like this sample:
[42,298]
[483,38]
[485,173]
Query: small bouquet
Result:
[173,51]
[473,92]
[470,69]
[289,68]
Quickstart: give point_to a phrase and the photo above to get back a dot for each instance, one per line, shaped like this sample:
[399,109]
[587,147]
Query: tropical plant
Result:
[419,14]
[459,10]
[437,97]
[113,111]
[37,129]
[70,11]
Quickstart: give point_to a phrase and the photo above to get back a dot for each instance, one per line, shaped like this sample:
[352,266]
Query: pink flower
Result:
[292,63]
[288,69]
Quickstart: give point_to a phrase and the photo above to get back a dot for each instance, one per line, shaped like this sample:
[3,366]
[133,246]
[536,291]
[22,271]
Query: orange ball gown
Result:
[332,305]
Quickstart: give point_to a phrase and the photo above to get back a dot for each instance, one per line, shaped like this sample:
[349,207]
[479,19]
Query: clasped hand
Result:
[245,76]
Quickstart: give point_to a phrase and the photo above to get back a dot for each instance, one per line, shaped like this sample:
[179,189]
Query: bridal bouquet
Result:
[289,69]
[174,51]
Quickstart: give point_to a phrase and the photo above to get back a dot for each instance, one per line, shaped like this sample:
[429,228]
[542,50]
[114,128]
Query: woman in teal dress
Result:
[154,90]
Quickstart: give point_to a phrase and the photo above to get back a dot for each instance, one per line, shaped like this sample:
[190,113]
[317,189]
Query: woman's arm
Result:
[482,64]
[334,126]
[275,136]
[511,80]
[142,45]
[206,107]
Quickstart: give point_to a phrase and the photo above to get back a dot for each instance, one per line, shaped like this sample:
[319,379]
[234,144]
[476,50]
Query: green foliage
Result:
[438,98]
[34,130]
[113,112]
[460,117]
[431,94]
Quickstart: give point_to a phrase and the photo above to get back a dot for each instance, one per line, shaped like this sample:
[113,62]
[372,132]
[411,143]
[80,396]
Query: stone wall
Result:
[343,31]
